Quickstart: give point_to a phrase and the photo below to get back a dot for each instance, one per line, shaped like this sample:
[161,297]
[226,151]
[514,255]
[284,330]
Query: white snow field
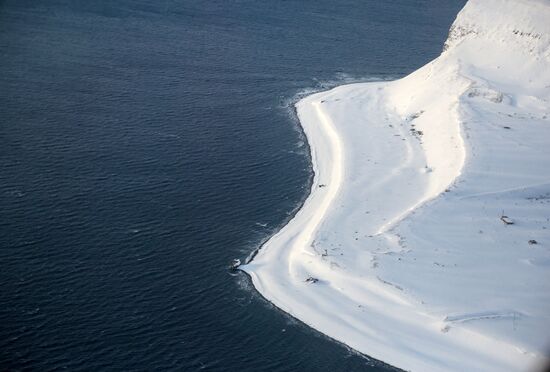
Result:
[426,236]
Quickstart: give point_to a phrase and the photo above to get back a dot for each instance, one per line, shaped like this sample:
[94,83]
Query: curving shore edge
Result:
[396,250]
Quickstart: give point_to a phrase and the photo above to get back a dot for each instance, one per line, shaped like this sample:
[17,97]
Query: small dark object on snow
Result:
[507,128]
[312,280]
[322,185]
[533,241]
[506,220]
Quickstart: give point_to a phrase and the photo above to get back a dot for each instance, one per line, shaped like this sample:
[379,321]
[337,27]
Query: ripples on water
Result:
[146,144]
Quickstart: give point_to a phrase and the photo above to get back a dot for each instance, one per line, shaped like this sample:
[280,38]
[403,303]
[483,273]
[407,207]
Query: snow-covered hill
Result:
[426,236]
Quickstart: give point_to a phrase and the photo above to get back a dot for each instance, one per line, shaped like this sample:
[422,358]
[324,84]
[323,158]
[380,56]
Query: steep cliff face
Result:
[512,23]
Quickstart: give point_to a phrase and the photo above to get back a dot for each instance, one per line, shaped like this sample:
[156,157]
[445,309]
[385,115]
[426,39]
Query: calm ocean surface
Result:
[145,144]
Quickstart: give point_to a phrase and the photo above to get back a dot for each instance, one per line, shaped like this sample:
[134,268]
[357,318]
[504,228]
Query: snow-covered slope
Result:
[403,238]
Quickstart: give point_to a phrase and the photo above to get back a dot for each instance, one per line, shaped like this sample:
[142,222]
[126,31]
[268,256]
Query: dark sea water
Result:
[145,144]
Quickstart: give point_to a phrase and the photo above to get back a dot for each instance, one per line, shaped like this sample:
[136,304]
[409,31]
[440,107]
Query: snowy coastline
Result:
[401,250]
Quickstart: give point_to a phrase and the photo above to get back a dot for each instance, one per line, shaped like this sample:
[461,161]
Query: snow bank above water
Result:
[403,239]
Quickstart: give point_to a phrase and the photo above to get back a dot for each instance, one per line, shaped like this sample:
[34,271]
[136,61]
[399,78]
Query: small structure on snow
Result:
[311,280]
[506,220]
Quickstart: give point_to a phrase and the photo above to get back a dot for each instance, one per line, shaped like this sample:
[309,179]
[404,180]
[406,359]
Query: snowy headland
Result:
[425,240]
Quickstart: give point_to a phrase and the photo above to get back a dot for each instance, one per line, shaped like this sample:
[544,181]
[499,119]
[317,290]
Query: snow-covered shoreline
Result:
[399,251]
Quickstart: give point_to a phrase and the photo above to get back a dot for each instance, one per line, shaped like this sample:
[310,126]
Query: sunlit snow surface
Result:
[403,239]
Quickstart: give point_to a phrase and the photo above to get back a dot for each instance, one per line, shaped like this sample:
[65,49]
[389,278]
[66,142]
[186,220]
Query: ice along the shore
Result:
[425,241]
